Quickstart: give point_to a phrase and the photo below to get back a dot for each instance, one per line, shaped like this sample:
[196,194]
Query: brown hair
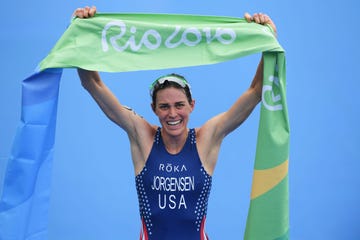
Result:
[168,84]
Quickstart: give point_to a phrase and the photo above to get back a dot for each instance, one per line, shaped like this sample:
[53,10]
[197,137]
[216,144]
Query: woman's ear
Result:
[192,104]
[153,107]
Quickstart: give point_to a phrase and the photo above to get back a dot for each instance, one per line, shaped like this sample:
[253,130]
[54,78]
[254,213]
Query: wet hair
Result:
[168,84]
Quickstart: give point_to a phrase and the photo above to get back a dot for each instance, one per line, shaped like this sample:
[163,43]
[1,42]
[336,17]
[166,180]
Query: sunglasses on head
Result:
[161,80]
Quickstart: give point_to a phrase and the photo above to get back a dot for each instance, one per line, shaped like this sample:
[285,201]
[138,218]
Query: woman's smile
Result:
[174,123]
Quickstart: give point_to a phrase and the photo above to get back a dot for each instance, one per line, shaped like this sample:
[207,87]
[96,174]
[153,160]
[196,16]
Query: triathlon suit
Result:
[173,192]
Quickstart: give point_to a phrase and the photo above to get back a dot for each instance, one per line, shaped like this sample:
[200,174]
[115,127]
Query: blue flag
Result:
[25,197]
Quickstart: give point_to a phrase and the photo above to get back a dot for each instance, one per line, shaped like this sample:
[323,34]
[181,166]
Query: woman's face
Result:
[173,109]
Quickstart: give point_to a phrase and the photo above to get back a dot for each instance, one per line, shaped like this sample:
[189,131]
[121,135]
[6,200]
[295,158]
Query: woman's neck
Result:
[174,144]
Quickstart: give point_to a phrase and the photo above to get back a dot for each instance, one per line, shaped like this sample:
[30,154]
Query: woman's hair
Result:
[156,86]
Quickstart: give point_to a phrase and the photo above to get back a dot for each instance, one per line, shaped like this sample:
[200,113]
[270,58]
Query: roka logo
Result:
[272,103]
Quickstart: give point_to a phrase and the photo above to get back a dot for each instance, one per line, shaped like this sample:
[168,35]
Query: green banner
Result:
[268,216]
[131,42]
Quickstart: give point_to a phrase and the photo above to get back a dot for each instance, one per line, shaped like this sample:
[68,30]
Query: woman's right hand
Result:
[85,12]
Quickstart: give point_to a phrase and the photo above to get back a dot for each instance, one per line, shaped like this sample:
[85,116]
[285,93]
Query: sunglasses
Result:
[161,80]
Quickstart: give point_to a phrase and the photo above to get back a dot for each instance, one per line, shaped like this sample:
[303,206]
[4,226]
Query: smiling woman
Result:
[173,110]
[166,212]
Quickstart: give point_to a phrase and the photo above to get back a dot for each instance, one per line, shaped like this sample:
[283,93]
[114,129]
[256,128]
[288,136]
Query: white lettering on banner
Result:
[152,39]
[272,106]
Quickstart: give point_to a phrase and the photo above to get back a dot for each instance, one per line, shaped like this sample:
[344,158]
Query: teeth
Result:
[174,123]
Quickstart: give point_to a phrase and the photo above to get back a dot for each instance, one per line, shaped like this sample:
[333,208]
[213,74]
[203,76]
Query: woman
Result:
[173,164]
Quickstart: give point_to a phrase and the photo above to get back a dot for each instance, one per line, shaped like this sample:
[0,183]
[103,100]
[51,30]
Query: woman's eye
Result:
[163,107]
[179,105]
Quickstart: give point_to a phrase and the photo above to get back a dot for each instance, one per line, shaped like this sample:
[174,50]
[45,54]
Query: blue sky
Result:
[93,193]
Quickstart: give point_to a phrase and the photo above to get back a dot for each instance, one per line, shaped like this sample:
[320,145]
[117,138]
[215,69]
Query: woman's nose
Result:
[172,111]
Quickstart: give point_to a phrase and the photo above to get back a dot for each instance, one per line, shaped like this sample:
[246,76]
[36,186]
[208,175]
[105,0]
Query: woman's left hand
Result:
[260,18]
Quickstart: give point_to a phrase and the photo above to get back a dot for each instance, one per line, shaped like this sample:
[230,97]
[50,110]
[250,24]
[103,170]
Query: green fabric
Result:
[157,39]
[131,42]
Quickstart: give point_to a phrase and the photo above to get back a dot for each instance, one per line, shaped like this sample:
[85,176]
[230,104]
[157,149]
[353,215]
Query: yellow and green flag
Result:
[268,216]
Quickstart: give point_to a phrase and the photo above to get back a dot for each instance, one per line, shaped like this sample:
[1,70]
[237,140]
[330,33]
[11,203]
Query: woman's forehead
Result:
[171,94]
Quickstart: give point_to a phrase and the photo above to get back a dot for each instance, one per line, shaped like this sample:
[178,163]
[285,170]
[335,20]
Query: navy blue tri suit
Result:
[173,192]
